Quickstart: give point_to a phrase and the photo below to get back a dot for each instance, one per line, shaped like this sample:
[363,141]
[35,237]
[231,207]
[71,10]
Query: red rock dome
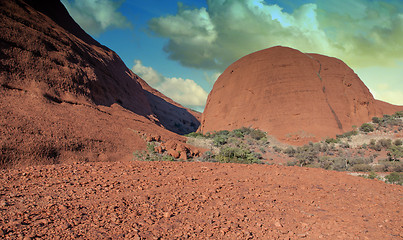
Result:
[294,96]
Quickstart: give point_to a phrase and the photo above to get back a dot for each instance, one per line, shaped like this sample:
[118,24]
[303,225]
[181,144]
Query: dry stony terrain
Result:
[70,104]
[174,200]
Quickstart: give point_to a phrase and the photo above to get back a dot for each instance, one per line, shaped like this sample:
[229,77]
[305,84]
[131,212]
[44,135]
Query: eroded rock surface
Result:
[65,97]
[294,96]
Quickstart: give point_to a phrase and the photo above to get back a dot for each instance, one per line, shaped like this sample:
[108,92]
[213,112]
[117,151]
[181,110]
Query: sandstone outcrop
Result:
[65,96]
[296,97]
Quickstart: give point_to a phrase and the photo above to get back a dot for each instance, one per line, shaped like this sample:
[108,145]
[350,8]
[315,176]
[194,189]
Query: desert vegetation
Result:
[244,145]
[248,145]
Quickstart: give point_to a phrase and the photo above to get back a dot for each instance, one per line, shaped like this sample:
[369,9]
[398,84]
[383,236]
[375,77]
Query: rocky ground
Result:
[178,200]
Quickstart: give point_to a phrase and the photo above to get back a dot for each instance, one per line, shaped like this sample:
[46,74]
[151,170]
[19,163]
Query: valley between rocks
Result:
[177,200]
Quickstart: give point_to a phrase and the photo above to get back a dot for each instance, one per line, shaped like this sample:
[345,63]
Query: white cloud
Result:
[184,91]
[361,33]
[96,16]
[152,77]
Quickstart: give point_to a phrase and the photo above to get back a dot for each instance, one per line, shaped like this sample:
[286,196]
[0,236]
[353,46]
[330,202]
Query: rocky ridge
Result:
[65,97]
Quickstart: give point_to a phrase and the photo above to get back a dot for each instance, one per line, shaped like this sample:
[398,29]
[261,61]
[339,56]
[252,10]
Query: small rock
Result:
[183,156]
[157,138]
[173,153]
[278,224]
[42,222]
[158,149]
[3,203]
[62,208]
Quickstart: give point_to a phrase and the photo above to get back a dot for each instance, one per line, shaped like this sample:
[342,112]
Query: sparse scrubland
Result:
[374,147]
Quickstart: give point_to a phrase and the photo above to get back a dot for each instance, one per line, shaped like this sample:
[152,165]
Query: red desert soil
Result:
[173,200]
[65,97]
[294,96]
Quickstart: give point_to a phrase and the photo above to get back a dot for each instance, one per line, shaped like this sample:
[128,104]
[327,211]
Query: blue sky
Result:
[180,48]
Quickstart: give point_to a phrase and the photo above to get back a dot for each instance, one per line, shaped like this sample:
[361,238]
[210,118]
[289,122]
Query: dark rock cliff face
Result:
[294,96]
[63,92]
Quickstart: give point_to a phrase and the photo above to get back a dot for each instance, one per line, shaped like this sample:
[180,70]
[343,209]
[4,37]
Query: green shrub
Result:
[397,142]
[390,166]
[307,154]
[220,140]
[139,155]
[339,164]
[332,140]
[277,149]
[395,153]
[324,148]
[394,120]
[395,178]
[317,147]
[367,127]
[345,145]
[151,147]
[378,147]
[245,130]
[385,143]
[361,168]
[380,168]
[146,156]
[398,114]
[372,175]
[376,120]
[168,158]
[347,134]
[208,156]
[237,155]
[374,145]
[238,133]
[359,160]
[195,135]
[290,151]
[325,162]
[257,134]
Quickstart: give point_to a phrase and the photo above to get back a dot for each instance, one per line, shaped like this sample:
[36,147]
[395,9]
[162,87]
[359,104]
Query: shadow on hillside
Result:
[173,118]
